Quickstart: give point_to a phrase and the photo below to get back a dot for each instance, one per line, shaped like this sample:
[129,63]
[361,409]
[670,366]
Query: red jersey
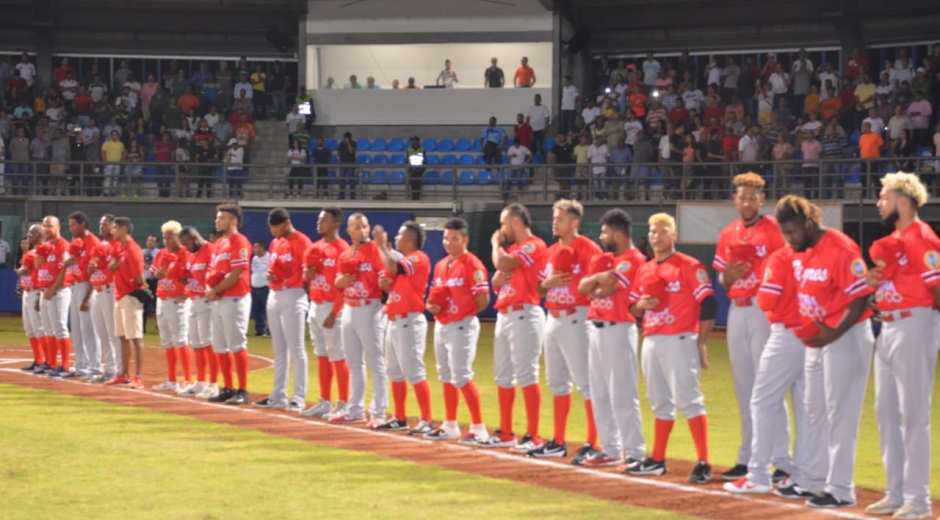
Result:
[370,264]
[170,286]
[777,295]
[53,254]
[753,245]
[559,298]
[831,275]
[523,286]
[29,261]
[411,282]
[130,264]
[78,273]
[287,261]
[687,285]
[102,256]
[197,267]
[324,257]
[230,254]
[616,306]
[465,278]
[918,271]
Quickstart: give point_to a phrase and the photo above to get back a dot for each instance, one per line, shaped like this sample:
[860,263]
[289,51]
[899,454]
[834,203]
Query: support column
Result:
[42,25]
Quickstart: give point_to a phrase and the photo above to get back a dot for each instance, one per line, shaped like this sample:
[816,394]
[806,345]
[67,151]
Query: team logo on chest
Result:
[761,250]
[673,286]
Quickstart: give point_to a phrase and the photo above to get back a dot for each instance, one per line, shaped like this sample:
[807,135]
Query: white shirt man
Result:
[589,114]
[69,88]
[714,73]
[331,84]
[88,134]
[212,119]
[538,117]
[630,129]
[779,82]
[651,69]
[877,124]
[447,77]
[598,154]
[664,146]
[292,119]
[900,75]
[569,97]
[518,154]
[235,157]
[134,85]
[748,147]
[5,252]
[27,72]
[693,99]
[259,270]
[244,86]
[831,77]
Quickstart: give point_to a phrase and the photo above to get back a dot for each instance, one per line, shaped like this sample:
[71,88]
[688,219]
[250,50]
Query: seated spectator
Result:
[447,77]
[395,84]
[353,84]
[331,84]
[132,84]
[411,85]
[525,75]
[205,157]
[371,84]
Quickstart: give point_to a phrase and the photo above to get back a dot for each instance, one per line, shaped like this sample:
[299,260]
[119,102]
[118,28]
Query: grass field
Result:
[716,386]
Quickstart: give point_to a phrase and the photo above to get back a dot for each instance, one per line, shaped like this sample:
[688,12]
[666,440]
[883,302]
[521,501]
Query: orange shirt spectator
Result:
[638,102]
[525,75]
[830,108]
[188,102]
[869,145]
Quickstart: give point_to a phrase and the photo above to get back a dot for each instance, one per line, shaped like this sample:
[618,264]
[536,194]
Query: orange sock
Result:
[451,400]
[507,398]
[532,395]
[472,395]
[52,352]
[663,429]
[591,426]
[65,348]
[562,405]
[171,354]
[225,366]
[325,372]
[399,394]
[186,356]
[699,428]
[341,369]
[423,395]
[213,359]
[241,366]
[39,357]
[201,355]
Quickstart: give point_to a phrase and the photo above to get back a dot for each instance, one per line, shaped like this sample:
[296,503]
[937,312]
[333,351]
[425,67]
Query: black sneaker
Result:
[739,471]
[549,450]
[793,492]
[702,474]
[31,368]
[650,467]
[267,402]
[779,476]
[422,428]
[827,501]
[240,397]
[630,464]
[584,452]
[224,395]
[392,425]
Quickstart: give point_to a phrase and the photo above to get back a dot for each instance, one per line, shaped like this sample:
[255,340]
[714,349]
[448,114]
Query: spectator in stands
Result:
[243,88]
[59,155]
[522,131]
[856,64]
[212,117]
[904,96]
[812,151]
[599,155]
[163,153]
[135,155]
[613,131]
[277,89]
[245,135]
[222,132]
[831,106]
[97,89]
[27,70]
[886,86]
[877,124]
[331,84]
[183,157]
[19,161]
[173,116]
[779,83]
[297,158]
[590,113]
[69,88]
[801,75]
[902,72]
[242,67]
[870,146]
[518,154]
[447,77]
[651,68]
[371,84]
[580,128]
[783,116]
[39,150]
[240,111]
[353,84]
[621,156]
[292,119]
[259,80]
[200,77]
[729,77]
[236,173]
[492,142]
[188,101]
[303,98]
[323,158]
[493,76]
[920,111]
[812,100]
[898,123]
[833,149]
[202,133]
[147,92]
[904,151]
[112,154]
[128,100]
[885,108]
[411,85]
[538,118]
[562,157]
[569,104]
[223,76]
[865,97]
[417,156]
[346,151]
[525,75]
[205,156]
[920,82]
[300,134]
[827,76]
[113,126]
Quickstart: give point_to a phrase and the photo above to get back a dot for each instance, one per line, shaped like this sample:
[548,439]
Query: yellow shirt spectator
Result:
[113,151]
[258,79]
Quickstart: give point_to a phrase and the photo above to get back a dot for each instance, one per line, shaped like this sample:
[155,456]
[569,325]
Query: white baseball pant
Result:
[327,343]
[200,323]
[287,310]
[615,380]
[55,314]
[517,346]
[84,340]
[173,322]
[363,332]
[566,353]
[836,377]
[407,338]
[32,320]
[671,365]
[905,365]
[455,348]
[780,370]
[229,326]
[102,313]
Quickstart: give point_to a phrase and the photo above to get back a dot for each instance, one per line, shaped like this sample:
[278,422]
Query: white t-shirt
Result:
[518,154]
[212,119]
[569,96]
[259,270]
[54,115]
[832,78]
[133,85]
[88,134]
[664,147]
[292,120]
[67,84]
[537,116]
[249,90]
[900,75]
[778,83]
[765,102]
[630,129]
[877,124]
[447,77]
[812,126]
[296,156]
[714,76]
[235,158]
[885,89]
[590,114]
[598,155]
[651,72]
[796,66]
[693,99]
[27,72]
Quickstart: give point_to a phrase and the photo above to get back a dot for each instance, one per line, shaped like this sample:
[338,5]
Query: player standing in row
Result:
[363,324]
[200,314]
[520,326]
[321,263]
[286,309]
[674,297]
[84,339]
[56,295]
[173,306]
[127,266]
[907,282]
[405,279]
[742,250]
[834,297]
[230,294]
[566,331]
[459,292]
[612,356]
[32,321]
[102,300]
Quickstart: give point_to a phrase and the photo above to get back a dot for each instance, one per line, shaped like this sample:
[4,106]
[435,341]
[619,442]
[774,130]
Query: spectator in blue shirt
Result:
[620,157]
[492,142]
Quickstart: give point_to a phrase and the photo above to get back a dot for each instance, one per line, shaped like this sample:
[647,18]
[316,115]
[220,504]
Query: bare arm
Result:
[482,300]
[229,280]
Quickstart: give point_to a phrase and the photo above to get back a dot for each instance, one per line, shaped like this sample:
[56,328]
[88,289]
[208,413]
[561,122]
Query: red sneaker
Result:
[137,383]
[118,380]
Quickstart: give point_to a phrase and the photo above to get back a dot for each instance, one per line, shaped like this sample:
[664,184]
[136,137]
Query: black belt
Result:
[601,324]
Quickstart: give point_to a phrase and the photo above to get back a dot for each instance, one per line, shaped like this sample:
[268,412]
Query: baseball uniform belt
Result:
[318,302]
[743,302]
[276,288]
[396,317]
[889,316]
[561,313]
[512,308]
[282,287]
[601,324]
[102,288]
[360,303]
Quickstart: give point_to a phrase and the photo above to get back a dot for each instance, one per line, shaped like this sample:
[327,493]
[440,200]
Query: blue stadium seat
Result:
[397,159]
[924,150]
[476,147]
[363,145]
[430,145]
[432,178]
[445,145]
[854,176]
[331,144]
[503,159]
[335,159]
[379,145]
[380,159]
[465,159]
[657,178]
[549,144]
[397,178]
[379,177]
[484,177]
[462,145]
[449,159]
[447,178]
[853,139]
[332,177]
[396,145]
[433,160]
[466,178]
[480,160]
[538,159]
[363,159]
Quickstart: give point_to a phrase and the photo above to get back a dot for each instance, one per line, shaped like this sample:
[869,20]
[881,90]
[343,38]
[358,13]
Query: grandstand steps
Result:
[270,148]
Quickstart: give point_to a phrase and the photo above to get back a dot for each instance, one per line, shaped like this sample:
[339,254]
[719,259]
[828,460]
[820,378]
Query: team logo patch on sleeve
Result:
[768,274]
[479,276]
[528,248]
[701,276]
[858,268]
[932,259]
[413,259]
[623,267]
[243,253]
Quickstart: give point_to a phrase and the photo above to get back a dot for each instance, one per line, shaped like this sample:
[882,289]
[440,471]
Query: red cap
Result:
[75,247]
[564,260]
[279,270]
[744,253]
[807,330]
[652,285]
[888,250]
[349,265]
[439,295]
[602,262]
[314,257]
[214,278]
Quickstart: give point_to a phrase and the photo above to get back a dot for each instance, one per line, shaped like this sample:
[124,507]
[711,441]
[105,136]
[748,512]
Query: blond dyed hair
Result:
[572,207]
[663,218]
[173,227]
[794,206]
[749,180]
[908,184]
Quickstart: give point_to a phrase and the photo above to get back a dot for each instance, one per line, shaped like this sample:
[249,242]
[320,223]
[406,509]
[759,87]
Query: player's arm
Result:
[502,260]
[482,301]
[57,283]
[706,320]
[855,311]
[230,279]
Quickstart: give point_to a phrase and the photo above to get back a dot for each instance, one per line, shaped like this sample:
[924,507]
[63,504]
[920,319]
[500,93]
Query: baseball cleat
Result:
[422,428]
[629,464]
[527,444]
[442,434]
[746,486]
[101,378]
[71,375]
[58,372]
[265,403]
[828,501]
[374,423]
[193,390]
[167,386]
[779,476]
[340,409]
[318,410]
[549,450]
[601,459]
[118,380]
[345,418]
[650,467]
[885,506]
[137,383]
[701,474]
[42,369]
[911,512]
[393,425]
[734,474]
[294,407]
[473,439]
[582,454]
[793,492]
[240,397]
[498,440]
[31,368]
[224,395]
[211,390]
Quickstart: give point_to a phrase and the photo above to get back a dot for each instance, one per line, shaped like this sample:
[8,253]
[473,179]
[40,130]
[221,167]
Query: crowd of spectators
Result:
[493,77]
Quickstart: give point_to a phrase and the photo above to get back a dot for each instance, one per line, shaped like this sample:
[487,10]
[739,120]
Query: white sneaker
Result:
[745,486]
[320,409]
[192,390]
[167,386]
[294,407]
[885,506]
[209,392]
[910,512]
[340,409]
[183,387]
[449,431]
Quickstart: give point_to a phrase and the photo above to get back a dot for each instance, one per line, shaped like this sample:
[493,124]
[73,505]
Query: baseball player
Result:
[56,295]
[405,278]
[127,267]
[459,292]
[287,310]
[102,300]
[84,339]
[833,297]
[32,322]
[229,290]
[520,326]
[743,248]
[200,315]
[674,297]
[321,263]
[173,306]
[566,332]
[612,357]
[780,369]
[363,325]
[907,294]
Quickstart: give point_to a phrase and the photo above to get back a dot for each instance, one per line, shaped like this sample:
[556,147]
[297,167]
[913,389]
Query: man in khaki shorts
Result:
[128,269]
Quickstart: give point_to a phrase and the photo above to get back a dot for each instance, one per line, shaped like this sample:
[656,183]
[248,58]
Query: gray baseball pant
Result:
[615,380]
[287,309]
[363,332]
[102,313]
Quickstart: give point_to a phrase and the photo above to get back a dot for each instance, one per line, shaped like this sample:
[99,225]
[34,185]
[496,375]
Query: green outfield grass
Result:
[720,401]
[117,462]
